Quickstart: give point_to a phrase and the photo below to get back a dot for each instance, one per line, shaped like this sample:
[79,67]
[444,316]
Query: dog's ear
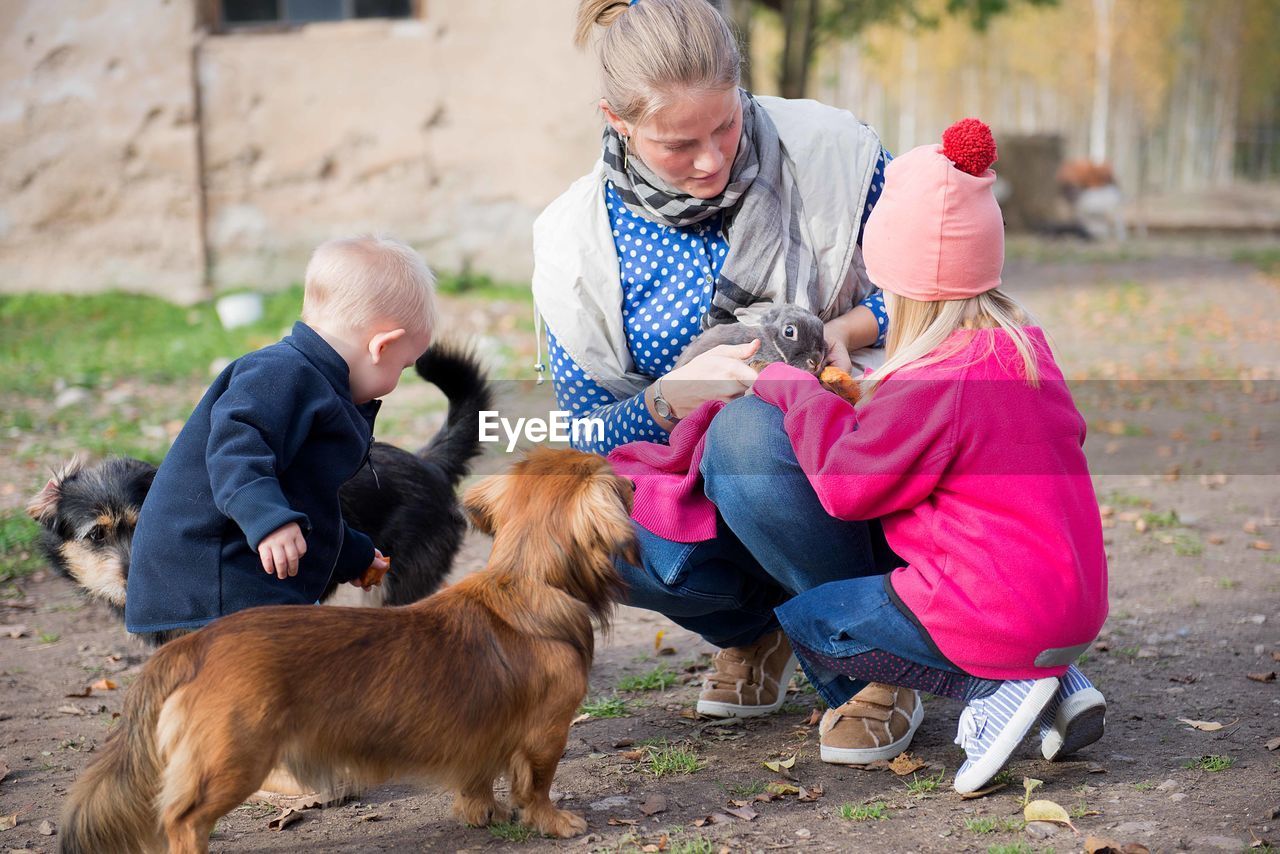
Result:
[44,506]
[480,501]
[603,517]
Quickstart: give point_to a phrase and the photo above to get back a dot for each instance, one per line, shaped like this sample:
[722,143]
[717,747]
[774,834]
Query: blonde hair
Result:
[653,50]
[919,332]
[360,282]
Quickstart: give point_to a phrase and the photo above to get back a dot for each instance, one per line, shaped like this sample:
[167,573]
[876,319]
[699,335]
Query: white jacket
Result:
[577,285]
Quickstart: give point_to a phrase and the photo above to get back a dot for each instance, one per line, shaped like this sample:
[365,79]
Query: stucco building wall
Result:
[143,152]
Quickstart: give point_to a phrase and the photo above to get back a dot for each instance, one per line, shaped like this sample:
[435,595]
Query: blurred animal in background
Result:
[1094,196]
[404,501]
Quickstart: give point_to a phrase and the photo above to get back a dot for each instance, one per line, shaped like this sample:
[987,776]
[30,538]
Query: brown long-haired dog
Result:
[479,680]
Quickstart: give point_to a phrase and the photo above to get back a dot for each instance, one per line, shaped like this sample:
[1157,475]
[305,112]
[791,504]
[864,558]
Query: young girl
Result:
[967,446]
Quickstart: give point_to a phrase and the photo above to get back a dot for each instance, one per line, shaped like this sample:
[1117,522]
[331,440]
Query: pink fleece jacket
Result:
[979,480]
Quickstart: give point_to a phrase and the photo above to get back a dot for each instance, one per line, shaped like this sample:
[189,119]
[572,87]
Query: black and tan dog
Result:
[480,680]
[405,502]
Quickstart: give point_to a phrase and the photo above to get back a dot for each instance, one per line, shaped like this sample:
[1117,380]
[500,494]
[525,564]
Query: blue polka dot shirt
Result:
[668,277]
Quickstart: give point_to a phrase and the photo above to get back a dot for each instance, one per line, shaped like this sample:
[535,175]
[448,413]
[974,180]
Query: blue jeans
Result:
[773,540]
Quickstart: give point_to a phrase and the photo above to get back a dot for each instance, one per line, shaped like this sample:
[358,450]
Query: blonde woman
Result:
[707,205]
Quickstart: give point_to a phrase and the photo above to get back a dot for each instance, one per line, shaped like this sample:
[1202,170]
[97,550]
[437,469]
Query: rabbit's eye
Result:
[789,331]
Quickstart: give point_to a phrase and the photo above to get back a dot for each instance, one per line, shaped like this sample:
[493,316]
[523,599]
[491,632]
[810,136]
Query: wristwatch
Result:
[663,406]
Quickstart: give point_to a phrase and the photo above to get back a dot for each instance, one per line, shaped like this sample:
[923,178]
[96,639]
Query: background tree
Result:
[807,24]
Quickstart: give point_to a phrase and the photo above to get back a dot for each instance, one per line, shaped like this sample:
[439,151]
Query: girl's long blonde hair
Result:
[919,332]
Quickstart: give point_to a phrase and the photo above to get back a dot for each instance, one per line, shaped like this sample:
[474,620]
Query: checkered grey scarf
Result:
[769,258]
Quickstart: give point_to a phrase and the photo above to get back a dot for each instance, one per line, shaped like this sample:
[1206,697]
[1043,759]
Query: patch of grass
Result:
[1228,583]
[605,707]
[19,535]
[1168,519]
[1266,259]
[696,845]
[95,340]
[1144,786]
[980,825]
[921,786]
[1128,651]
[1212,763]
[1187,545]
[676,759]
[1123,499]
[1004,778]
[746,790]
[659,678]
[478,286]
[510,831]
[864,812]
[1011,848]
[48,637]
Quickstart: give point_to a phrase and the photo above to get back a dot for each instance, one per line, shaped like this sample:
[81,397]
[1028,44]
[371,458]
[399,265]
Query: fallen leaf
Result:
[657,640]
[1274,743]
[780,788]
[744,813]
[815,717]
[1095,768]
[71,710]
[982,793]
[904,764]
[1250,527]
[1203,726]
[717,818]
[623,822]
[14,630]
[653,805]
[1187,679]
[580,718]
[811,794]
[650,848]
[45,828]
[8,822]
[1261,545]
[286,818]
[1269,676]
[1215,539]
[104,685]
[776,767]
[1047,811]
[634,755]
[83,692]
[1029,785]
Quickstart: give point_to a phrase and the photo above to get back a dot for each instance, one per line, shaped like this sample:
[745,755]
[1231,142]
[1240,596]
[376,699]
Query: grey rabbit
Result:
[787,333]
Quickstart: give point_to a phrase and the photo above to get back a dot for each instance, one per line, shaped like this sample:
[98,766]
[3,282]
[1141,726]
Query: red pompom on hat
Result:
[937,233]
[970,146]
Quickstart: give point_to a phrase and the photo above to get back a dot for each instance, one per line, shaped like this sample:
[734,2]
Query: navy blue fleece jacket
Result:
[270,443]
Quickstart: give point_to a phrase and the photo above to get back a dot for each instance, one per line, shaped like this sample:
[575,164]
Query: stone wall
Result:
[98,163]
[450,131]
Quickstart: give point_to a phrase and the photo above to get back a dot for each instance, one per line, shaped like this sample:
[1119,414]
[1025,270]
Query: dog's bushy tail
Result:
[456,371]
[112,806]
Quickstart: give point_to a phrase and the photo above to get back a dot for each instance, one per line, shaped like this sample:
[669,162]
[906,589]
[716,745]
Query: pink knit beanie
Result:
[937,232]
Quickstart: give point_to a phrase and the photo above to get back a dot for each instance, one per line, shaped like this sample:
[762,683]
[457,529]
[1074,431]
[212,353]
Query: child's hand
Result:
[373,576]
[281,550]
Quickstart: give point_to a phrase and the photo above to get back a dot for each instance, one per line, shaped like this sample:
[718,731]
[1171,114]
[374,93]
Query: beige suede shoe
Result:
[748,681]
[876,723]
[281,789]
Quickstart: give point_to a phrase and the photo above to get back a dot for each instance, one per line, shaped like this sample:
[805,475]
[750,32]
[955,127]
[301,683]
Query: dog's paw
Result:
[479,812]
[561,823]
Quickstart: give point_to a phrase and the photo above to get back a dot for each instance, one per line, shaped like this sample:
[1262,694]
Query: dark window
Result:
[255,12]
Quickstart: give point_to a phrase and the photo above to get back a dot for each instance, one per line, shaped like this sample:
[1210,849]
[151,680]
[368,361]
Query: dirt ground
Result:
[1194,634]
